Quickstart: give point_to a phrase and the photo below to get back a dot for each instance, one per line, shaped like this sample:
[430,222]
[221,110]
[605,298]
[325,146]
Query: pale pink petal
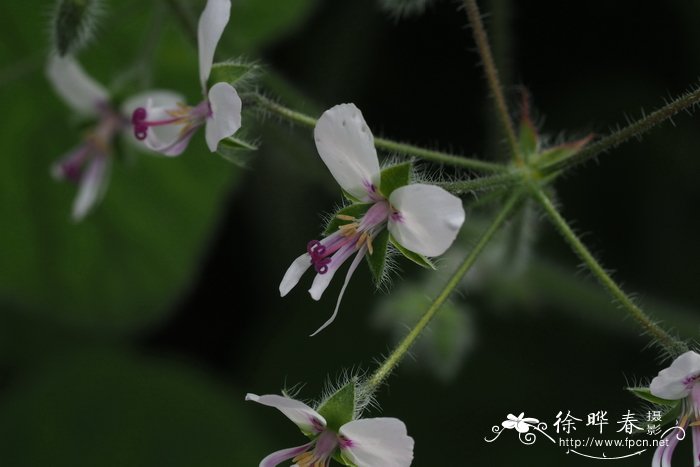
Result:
[93,185]
[351,271]
[278,457]
[346,145]
[211,26]
[671,383]
[373,442]
[82,93]
[428,218]
[225,117]
[301,414]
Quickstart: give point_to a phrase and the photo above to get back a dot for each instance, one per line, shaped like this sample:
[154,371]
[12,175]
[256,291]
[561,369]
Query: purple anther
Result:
[321,264]
[139,115]
[315,249]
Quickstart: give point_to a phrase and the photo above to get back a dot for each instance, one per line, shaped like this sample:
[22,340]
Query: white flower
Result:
[88,164]
[680,381]
[369,442]
[165,124]
[424,219]
[521,424]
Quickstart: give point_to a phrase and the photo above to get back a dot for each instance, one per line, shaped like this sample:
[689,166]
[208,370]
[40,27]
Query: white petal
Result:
[321,281]
[93,185]
[377,441]
[301,414]
[294,273]
[278,457]
[670,382]
[346,145]
[509,424]
[82,93]
[351,270]
[154,98]
[429,218]
[225,119]
[211,26]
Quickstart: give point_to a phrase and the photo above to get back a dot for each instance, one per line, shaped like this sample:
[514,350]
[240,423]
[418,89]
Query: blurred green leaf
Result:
[99,408]
[255,23]
[236,150]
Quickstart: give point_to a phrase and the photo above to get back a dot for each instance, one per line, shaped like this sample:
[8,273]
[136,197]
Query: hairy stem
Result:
[492,78]
[385,144]
[404,346]
[671,345]
[633,130]
[505,179]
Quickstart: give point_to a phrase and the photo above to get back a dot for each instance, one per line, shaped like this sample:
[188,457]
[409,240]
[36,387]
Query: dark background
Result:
[132,338]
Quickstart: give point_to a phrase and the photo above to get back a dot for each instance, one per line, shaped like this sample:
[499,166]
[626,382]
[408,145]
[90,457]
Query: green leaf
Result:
[645,394]
[236,150]
[354,210]
[97,407]
[339,408]
[415,257]
[232,72]
[377,260]
[394,177]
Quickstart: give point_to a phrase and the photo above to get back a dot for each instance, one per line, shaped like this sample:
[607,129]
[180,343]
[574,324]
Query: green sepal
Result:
[528,140]
[339,408]
[72,24]
[339,457]
[645,394]
[413,256]
[377,260]
[351,198]
[232,72]
[355,210]
[671,415]
[236,150]
[563,151]
[394,177]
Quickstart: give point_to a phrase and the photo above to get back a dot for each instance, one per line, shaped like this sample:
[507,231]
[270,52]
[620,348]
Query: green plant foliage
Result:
[100,408]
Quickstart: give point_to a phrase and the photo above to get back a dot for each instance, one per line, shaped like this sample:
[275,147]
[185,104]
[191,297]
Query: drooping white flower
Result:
[88,164]
[680,381]
[424,219]
[166,125]
[369,442]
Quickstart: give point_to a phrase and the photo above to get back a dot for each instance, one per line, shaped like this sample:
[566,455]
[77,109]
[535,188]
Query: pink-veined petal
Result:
[351,271]
[670,383]
[346,145]
[80,92]
[303,416]
[373,442]
[428,218]
[93,185]
[278,457]
[225,117]
[211,26]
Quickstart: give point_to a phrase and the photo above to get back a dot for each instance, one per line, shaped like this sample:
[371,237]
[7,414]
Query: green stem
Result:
[671,345]
[482,44]
[483,183]
[633,130]
[385,144]
[404,346]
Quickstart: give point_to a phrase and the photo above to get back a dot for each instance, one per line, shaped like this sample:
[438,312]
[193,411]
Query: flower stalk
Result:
[673,346]
[405,345]
[492,78]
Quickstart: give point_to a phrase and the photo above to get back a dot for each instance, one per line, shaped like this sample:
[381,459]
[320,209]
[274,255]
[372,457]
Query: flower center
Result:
[320,455]
[357,233]
[188,117]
